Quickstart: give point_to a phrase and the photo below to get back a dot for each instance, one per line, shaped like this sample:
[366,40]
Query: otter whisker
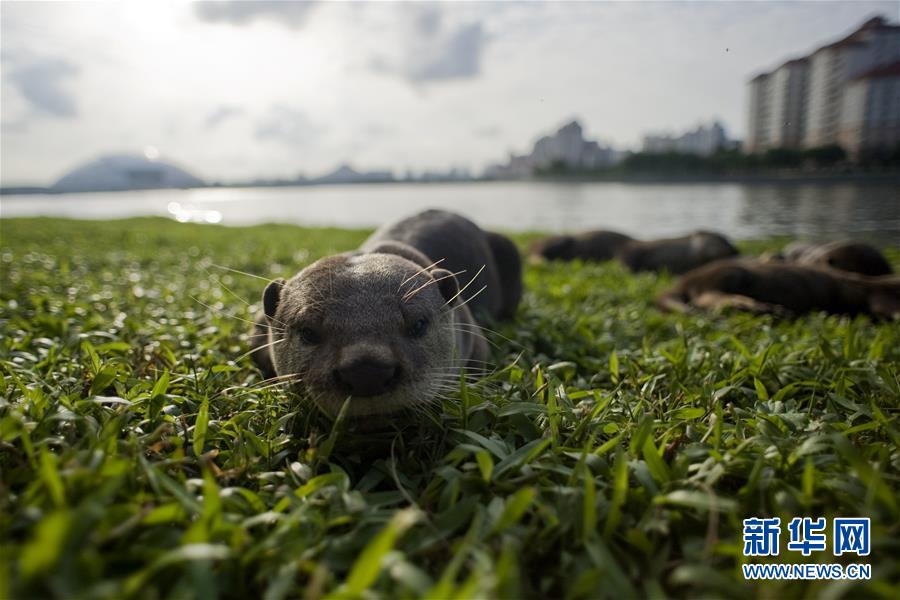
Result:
[472,377]
[491,331]
[224,314]
[219,281]
[258,388]
[272,386]
[227,289]
[463,365]
[224,268]
[409,295]
[455,377]
[278,380]
[474,277]
[464,361]
[475,333]
[454,383]
[287,376]
[419,272]
[258,348]
[469,299]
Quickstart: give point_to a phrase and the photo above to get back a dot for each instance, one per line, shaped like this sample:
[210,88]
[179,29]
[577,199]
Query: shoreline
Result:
[648,178]
[759,179]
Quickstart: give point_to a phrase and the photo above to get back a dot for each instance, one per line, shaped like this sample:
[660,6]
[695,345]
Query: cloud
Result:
[287,125]
[488,132]
[290,14]
[436,51]
[457,57]
[222,114]
[41,83]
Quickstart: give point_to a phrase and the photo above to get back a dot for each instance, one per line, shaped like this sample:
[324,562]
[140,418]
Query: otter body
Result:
[389,325]
[462,246]
[676,255]
[598,245]
[855,257]
[782,288]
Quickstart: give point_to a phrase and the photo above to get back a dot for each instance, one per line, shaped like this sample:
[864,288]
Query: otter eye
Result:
[309,336]
[418,328]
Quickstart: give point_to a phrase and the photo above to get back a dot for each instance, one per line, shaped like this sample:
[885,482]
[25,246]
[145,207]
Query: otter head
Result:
[708,246]
[558,247]
[853,257]
[375,328]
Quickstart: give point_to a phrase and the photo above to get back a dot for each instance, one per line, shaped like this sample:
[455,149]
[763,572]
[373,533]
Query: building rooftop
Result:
[891,70]
[878,23]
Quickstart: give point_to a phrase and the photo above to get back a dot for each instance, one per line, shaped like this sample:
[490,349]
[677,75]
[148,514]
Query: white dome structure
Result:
[125,172]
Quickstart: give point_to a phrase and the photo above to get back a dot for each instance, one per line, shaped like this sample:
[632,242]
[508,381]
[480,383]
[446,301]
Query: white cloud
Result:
[432,49]
[42,82]
[221,115]
[292,14]
[288,126]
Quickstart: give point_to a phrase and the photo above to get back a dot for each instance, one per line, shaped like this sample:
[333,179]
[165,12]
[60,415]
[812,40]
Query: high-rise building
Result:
[870,114]
[789,96]
[876,43]
[802,103]
[759,119]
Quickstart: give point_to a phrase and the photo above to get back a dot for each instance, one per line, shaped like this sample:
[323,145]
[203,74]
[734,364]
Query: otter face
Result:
[374,328]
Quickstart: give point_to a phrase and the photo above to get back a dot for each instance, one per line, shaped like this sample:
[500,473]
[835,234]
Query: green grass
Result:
[614,452]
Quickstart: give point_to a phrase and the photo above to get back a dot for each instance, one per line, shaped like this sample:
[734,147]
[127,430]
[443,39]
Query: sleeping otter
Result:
[389,325]
[856,257]
[782,288]
[598,245]
[676,255]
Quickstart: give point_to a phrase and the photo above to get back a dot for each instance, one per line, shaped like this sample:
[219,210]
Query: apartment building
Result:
[870,113]
[801,104]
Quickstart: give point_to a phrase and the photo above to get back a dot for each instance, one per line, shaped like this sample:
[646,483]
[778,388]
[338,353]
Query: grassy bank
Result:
[614,452]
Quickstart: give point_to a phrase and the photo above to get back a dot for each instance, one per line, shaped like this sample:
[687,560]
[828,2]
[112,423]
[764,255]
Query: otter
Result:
[389,325]
[598,245]
[848,255]
[783,289]
[676,255]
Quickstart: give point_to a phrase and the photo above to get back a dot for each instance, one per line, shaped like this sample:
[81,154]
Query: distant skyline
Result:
[235,91]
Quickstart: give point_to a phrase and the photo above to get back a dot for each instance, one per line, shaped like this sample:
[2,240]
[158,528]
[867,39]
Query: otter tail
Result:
[509,268]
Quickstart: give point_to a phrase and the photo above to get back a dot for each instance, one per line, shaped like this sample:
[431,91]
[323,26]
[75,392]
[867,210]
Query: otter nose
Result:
[367,377]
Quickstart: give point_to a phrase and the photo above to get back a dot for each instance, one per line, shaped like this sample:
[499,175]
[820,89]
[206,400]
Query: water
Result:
[742,211]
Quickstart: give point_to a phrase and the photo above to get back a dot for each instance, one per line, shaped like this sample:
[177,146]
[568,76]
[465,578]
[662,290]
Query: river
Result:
[742,211]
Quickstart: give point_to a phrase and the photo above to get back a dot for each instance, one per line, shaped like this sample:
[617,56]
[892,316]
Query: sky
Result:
[238,90]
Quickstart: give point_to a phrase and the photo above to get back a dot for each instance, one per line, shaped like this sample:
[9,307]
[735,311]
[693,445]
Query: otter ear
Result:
[446,282]
[272,296]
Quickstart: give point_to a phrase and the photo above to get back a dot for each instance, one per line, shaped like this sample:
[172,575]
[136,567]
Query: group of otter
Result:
[843,277]
[391,324]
